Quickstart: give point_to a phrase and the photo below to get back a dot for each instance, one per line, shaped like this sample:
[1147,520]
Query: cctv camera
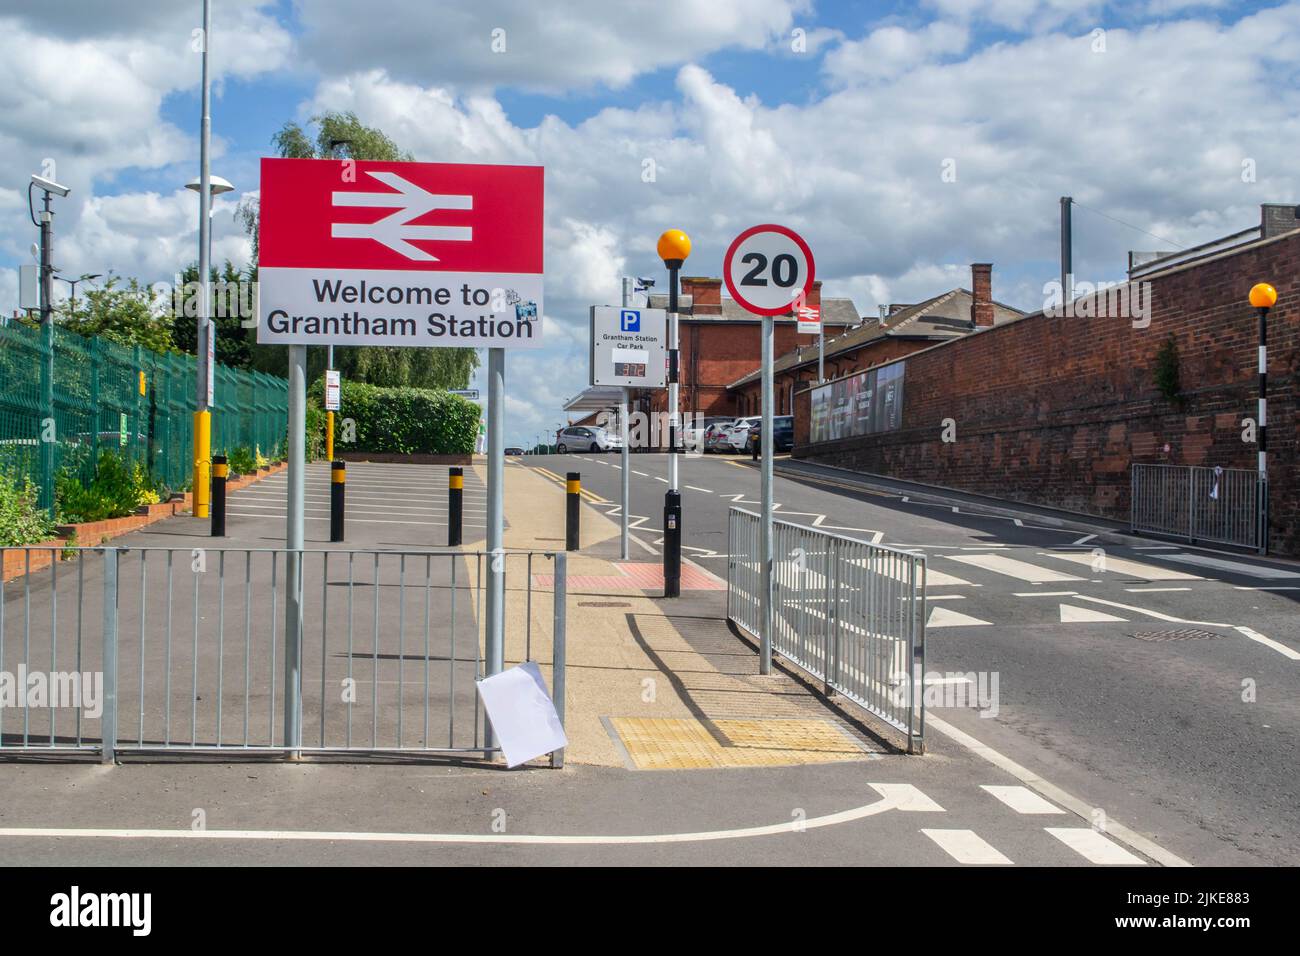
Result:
[50,186]
[645,283]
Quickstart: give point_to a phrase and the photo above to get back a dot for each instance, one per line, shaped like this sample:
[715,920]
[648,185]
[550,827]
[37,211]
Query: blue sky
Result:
[1176,117]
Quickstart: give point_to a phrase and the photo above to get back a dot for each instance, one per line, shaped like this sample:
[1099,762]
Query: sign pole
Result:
[293,543]
[625,484]
[769,270]
[494,657]
[765,470]
[821,353]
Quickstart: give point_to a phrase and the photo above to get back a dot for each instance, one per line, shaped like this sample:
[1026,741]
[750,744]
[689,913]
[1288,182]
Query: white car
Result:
[737,434]
[587,438]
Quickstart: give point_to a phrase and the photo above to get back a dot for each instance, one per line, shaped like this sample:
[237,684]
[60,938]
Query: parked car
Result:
[587,438]
[782,433]
[715,434]
[512,450]
[695,434]
[736,437]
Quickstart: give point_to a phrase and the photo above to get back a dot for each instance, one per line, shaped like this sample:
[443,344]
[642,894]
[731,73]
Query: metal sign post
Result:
[293,543]
[769,270]
[494,655]
[625,485]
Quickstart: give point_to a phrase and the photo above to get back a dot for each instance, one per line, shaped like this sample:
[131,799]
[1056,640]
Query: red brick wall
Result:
[1053,410]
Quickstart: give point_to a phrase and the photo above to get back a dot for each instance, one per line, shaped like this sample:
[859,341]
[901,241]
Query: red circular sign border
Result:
[789,234]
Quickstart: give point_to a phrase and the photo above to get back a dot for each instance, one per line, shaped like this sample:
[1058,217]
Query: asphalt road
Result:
[1192,730]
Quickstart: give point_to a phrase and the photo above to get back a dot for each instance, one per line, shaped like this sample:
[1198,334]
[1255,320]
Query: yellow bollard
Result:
[202,464]
[329,436]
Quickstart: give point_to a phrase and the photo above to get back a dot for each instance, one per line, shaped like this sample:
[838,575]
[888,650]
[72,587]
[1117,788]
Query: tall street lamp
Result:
[673,248]
[1263,297]
[72,306]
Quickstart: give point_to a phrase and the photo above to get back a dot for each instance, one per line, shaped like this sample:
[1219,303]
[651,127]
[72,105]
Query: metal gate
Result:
[183,650]
[1222,505]
[848,612]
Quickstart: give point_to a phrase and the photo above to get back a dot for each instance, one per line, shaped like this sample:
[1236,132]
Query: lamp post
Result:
[203,385]
[673,248]
[72,307]
[1263,297]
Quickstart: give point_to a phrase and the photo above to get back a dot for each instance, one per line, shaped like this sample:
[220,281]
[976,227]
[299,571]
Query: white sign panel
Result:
[628,347]
[522,713]
[400,254]
[810,320]
[333,386]
[29,286]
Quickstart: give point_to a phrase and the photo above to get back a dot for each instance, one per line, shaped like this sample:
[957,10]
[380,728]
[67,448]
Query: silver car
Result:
[587,438]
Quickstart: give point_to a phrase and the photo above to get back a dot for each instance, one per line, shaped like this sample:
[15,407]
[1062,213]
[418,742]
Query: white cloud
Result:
[892,50]
[547,46]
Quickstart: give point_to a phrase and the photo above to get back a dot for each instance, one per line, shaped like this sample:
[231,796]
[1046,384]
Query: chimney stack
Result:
[884,313]
[981,287]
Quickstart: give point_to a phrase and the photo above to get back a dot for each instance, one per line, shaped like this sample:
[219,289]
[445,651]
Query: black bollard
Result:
[220,470]
[338,477]
[573,495]
[455,494]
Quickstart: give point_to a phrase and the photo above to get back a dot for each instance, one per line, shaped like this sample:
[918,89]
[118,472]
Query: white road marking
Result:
[942,617]
[641,473]
[1082,615]
[1282,649]
[1022,799]
[705,490]
[1148,572]
[1085,539]
[1266,587]
[786,826]
[1159,616]
[1079,808]
[1235,567]
[1094,847]
[941,597]
[1153,590]
[906,797]
[965,846]
[664,480]
[1045,593]
[1012,567]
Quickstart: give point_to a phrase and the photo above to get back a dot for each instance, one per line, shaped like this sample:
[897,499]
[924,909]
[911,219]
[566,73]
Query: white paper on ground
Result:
[522,713]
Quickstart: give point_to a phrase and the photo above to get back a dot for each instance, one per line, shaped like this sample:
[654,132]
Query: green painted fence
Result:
[98,406]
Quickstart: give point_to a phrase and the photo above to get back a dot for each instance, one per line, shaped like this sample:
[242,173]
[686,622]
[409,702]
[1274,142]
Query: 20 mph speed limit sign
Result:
[768,269]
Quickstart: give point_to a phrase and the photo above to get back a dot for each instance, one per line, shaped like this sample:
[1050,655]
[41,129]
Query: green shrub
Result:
[21,521]
[117,490]
[402,420]
[242,461]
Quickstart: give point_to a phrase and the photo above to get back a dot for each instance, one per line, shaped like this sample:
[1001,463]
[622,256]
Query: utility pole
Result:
[203,387]
[1067,254]
[47,363]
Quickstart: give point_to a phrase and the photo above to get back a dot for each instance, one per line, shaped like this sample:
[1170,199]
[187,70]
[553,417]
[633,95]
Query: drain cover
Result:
[1177,634]
[603,604]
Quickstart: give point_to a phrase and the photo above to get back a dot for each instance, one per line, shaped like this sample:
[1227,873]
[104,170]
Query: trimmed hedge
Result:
[404,420]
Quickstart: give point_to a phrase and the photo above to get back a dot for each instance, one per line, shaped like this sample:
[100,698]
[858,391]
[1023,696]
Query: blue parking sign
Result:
[629,320]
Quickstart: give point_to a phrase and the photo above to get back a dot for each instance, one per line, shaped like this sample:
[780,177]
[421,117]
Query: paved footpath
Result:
[680,753]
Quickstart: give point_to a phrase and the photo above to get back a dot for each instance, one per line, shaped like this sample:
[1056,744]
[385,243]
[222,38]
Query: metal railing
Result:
[848,612]
[187,648]
[1223,505]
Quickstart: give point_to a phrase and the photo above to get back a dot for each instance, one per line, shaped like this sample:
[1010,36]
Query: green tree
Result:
[122,313]
[344,136]
[231,300]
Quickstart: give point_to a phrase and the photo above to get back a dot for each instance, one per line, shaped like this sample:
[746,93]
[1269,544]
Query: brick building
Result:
[720,341]
[1053,410]
[900,330]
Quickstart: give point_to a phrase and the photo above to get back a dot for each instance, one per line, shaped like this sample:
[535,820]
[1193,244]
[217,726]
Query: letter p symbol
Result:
[629,320]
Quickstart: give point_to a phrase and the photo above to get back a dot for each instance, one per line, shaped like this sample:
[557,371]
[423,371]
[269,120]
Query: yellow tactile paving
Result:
[672,743]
